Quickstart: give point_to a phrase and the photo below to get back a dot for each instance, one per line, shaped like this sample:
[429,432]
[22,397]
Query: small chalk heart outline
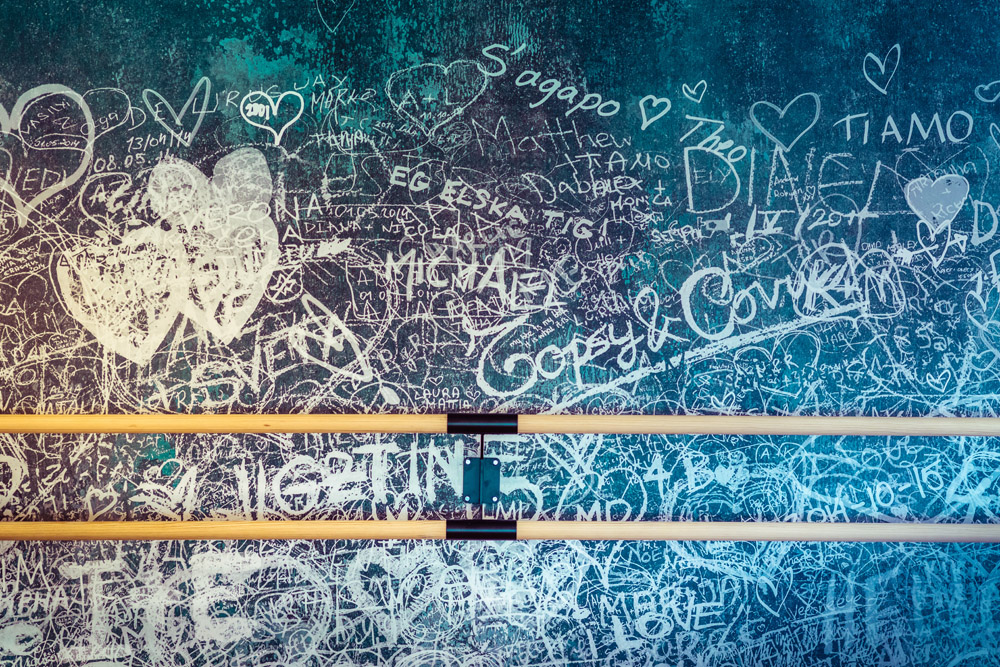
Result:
[692,93]
[126,116]
[981,92]
[343,15]
[940,381]
[781,114]
[882,64]
[203,82]
[274,104]
[656,101]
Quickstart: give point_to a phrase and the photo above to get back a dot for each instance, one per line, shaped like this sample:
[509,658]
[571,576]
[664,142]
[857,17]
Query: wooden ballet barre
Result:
[496,529]
[494,424]
[499,530]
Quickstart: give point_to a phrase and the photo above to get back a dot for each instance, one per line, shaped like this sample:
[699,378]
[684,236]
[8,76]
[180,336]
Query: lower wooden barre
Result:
[754,531]
[525,530]
[526,424]
[759,425]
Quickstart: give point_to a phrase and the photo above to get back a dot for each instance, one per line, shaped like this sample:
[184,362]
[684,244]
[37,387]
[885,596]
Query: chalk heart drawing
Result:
[211,261]
[939,382]
[180,125]
[651,102]
[431,95]
[786,126]
[111,105]
[263,111]
[39,121]
[333,12]
[126,294]
[879,72]
[415,579]
[989,92]
[936,204]
[697,93]
[230,241]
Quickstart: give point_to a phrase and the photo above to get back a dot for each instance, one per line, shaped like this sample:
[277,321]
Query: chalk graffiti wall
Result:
[678,207]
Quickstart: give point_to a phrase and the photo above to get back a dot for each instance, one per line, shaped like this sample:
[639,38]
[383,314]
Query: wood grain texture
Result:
[167,423]
[759,425]
[757,531]
[527,424]
[526,530]
[221,530]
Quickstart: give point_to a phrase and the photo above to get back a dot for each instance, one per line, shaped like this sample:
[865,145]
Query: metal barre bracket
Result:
[482,424]
[481,475]
[480,529]
[481,480]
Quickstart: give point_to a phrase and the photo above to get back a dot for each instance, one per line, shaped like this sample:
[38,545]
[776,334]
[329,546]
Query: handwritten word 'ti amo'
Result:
[651,107]
[955,130]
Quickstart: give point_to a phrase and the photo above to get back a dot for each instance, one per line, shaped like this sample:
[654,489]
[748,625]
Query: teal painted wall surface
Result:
[576,207]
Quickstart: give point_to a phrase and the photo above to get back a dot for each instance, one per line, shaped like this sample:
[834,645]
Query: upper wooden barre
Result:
[223,423]
[526,424]
[47,531]
[520,530]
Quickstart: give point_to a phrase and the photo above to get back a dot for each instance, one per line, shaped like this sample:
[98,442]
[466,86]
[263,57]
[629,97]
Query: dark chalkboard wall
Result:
[571,207]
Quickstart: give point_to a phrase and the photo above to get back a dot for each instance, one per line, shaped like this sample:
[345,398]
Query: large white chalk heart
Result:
[399,592]
[267,113]
[230,244]
[125,294]
[210,259]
